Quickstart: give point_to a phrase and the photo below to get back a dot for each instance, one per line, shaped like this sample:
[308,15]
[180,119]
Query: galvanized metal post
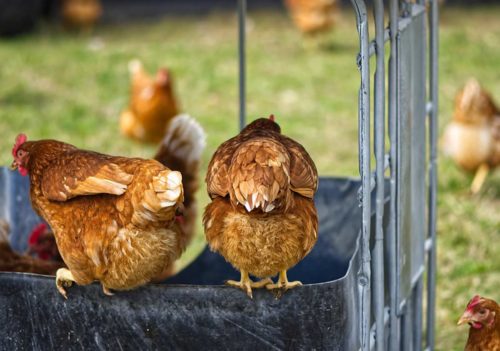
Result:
[364,277]
[379,113]
[417,313]
[242,9]
[433,135]
[394,330]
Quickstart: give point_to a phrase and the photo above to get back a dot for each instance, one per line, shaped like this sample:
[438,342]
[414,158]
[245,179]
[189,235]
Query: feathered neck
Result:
[484,335]
[43,152]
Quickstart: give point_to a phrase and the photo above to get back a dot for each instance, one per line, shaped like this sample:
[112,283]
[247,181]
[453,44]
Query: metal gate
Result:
[391,312]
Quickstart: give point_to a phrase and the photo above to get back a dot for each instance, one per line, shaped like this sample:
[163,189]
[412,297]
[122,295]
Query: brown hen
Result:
[472,139]
[262,217]
[152,105]
[81,14]
[113,217]
[313,16]
[483,316]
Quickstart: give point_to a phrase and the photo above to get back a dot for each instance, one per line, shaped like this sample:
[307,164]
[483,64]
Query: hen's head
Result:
[473,105]
[21,155]
[163,77]
[480,313]
[263,124]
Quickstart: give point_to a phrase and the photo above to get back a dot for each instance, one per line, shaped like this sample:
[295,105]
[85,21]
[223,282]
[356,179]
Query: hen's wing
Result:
[303,173]
[83,173]
[217,178]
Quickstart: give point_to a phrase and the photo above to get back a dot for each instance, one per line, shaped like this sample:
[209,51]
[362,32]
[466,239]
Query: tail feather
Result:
[181,150]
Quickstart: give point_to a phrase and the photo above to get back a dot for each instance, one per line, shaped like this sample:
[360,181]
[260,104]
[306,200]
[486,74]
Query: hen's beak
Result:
[13,166]
[466,318]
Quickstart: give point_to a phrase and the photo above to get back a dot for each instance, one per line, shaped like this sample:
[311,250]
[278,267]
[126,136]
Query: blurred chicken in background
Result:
[152,105]
[313,16]
[81,14]
[11,261]
[472,138]
[42,243]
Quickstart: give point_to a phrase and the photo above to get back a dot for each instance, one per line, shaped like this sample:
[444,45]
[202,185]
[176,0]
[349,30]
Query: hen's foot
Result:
[282,285]
[64,278]
[106,291]
[246,284]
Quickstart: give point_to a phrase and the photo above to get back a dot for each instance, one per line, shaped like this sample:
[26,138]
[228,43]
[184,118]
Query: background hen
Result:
[472,139]
[113,217]
[152,104]
[11,261]
[81,14]
[262,217]
[313,16]
[483,316]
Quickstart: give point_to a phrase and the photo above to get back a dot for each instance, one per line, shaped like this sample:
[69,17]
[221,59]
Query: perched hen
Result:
[313,16]
[472,139]
[483,316]
[262,217]
[152,105]
[113,217]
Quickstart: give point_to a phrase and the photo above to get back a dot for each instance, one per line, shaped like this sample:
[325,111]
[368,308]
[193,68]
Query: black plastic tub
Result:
[192,310]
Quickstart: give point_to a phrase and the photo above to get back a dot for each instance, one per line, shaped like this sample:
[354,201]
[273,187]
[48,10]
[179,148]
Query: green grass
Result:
[54,85]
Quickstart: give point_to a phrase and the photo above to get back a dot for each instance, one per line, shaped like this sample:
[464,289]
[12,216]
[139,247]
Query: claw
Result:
[246,284]
[64,278]
[282,285]
[106,291]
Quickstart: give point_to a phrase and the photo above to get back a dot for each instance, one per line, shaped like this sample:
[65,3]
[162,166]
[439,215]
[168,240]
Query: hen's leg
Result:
[246,284]
[64,278]
[283,284]
[479,178]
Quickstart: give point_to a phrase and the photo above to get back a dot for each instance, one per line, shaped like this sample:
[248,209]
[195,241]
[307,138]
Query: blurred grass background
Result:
[73,88]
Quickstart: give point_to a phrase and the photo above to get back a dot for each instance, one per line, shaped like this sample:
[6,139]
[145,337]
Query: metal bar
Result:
[433,135]
[379,115]
[373,328]
[406,329]
[392,234]
[242,9]
[364,276]
[417,315]
[373,43]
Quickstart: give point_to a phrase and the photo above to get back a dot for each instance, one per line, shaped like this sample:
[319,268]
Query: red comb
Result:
[20,139]
[271,117]
[36,233]
[473,302]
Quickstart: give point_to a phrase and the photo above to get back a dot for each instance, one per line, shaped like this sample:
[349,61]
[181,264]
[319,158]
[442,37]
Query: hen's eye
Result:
[483,311]
[20,153]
